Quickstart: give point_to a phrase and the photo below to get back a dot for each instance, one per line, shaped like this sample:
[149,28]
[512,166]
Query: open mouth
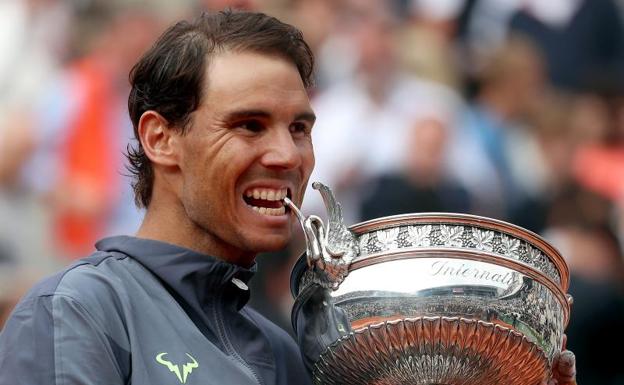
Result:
[267,201]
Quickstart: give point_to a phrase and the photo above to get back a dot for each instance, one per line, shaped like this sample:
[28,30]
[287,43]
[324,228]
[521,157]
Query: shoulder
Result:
[66,324]
[87,283]
[85,298]
[75,278]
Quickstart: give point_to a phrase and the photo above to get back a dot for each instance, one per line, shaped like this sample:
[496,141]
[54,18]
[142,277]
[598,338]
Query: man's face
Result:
[249,145]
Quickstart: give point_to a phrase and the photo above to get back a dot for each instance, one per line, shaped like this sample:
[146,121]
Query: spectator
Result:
[491,126]
[582,40]
[423,183]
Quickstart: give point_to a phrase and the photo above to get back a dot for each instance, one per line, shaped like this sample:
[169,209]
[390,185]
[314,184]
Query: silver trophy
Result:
[427,299]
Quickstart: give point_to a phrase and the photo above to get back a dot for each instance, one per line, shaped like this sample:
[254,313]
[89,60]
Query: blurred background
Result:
[512,109]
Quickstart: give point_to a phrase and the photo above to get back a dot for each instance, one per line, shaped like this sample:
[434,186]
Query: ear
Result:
[157,139]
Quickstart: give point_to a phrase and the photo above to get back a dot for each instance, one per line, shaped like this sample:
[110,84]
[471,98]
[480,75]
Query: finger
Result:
[566,366]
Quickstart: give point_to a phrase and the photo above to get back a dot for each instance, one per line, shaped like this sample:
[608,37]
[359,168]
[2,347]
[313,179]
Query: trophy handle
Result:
[339,238]
[330,249]
[313,231]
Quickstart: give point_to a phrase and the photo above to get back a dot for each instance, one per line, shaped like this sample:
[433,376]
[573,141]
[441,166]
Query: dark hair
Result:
[168,79]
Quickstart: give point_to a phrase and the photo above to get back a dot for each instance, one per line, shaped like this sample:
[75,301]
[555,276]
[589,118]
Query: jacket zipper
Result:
[229,347]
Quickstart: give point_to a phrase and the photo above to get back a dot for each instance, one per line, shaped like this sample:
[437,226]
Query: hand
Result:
[564,368]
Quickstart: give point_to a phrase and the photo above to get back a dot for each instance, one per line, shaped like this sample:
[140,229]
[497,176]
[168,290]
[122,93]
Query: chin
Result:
[270,243]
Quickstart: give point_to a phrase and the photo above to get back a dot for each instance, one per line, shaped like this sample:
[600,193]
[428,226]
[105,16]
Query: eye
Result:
[300,128]
[250,125]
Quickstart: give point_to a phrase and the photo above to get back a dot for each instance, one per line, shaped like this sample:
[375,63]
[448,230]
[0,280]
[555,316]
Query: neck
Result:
[167,221]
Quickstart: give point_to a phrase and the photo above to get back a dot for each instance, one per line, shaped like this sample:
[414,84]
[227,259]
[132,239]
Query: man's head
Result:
[222,116]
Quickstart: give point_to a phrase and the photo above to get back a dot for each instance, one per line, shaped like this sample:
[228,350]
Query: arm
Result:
[53,340]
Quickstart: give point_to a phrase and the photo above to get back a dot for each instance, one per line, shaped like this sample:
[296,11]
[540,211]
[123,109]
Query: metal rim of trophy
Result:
[559,289]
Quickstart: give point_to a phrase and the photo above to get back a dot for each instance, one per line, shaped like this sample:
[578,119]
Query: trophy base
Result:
[432,351]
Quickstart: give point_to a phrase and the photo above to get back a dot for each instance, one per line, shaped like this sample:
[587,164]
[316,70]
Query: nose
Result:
[281,150]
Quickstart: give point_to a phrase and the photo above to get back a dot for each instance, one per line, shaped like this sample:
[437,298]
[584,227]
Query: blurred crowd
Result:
[512,109]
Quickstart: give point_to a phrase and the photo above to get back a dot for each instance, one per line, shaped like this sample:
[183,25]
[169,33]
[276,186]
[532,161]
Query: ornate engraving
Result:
[511,246]
[483,239]
[388,239]
[425,351]
[464,237]
[363,241]
[451,235]
[419,235]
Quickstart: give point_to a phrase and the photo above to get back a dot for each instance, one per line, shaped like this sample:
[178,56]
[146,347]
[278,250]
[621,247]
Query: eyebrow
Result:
[308,116]
[253,113]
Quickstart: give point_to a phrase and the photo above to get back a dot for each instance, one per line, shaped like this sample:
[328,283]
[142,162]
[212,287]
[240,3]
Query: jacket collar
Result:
[196,277]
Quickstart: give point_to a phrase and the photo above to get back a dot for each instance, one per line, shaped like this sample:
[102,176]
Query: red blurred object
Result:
[600,168]
[88,165]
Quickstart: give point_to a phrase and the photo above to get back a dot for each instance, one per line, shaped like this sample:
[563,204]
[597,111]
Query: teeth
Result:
[267,194]
[269,211]
[280,211]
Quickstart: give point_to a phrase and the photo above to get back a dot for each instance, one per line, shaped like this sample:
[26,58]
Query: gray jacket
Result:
[143,312]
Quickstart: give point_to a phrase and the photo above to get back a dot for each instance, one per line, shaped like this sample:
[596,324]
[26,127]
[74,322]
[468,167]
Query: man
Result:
[222,115]
[223,120]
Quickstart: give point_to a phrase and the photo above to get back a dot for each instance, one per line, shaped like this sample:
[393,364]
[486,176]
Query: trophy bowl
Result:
[428,299]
